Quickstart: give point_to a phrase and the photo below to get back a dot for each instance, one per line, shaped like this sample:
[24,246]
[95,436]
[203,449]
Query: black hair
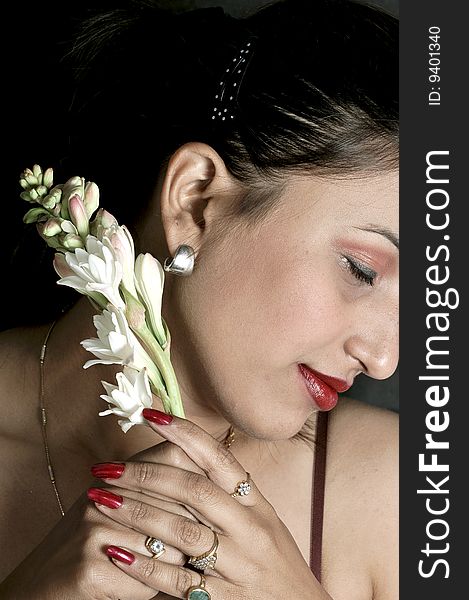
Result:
[319,95]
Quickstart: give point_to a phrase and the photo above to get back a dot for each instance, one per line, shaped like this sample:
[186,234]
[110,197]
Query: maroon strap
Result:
[317,501]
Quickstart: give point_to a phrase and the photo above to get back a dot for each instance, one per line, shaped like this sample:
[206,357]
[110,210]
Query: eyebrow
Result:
[387,233]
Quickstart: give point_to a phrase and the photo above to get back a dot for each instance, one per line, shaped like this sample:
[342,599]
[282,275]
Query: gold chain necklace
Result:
[43,415]
[228,441]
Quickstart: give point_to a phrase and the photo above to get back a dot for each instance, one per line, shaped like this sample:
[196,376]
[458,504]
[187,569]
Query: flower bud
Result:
[48,178]
[26,196]
[102,223]
[49,201]
[134,312]
[35,214]
[91,199]
[68,227]
[72,241]
[51,227]
[30,178]
[53,198]
[73,187]
[78,215]
[61,266]
[53,242]
[64,211]
[123,245]
[149,281]
[41,190]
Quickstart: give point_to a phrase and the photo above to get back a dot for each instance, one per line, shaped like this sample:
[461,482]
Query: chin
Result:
[270,427]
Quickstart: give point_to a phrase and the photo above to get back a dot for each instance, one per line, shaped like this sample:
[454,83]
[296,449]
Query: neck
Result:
[78,415]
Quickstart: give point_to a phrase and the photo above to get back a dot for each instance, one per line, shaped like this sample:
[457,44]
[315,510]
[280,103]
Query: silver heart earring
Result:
[182,263]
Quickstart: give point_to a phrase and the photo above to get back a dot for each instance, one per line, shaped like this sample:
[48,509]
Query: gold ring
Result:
[155,546]
[198,592]
[208,559]
[243,487]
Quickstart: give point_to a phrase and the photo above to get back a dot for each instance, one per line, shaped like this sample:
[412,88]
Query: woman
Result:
[276,140]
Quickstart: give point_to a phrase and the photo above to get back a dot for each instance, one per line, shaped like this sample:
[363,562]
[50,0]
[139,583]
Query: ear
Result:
[194,187]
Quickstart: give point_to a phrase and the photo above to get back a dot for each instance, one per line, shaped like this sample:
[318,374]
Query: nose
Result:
[376,348]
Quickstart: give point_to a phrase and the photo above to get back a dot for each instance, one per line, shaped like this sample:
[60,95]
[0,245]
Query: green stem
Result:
[162,361]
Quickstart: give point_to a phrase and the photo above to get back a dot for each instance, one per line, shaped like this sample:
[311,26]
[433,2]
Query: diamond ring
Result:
[243,488]
[156,547]
[208,559]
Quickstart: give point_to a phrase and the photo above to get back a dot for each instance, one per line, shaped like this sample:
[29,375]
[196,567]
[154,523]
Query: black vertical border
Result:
[426,128]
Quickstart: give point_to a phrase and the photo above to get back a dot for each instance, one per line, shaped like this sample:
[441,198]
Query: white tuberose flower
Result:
[116,343]
[128,398]
[95,269]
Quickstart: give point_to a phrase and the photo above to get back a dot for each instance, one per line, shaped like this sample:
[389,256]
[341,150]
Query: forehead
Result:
[354,201]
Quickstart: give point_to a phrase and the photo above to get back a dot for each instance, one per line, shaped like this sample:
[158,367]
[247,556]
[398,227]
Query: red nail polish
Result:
[121,555]
[105,497]
[107,470]
[156,416]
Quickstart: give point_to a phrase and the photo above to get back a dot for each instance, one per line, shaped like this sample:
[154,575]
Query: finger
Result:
[170,454]
[189,537]
[185,487]
[155,499]
[131,537]
[136,542]
[110,472]
[211,455]
[171,506]
[169,579]
[167,453]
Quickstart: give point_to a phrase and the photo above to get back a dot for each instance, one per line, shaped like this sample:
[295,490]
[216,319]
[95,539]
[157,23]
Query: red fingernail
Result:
[156,416]
[105,497]
[107,470]
[121,555]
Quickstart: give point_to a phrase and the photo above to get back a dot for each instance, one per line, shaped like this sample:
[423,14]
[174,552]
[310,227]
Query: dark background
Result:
[240,7]
[35,99]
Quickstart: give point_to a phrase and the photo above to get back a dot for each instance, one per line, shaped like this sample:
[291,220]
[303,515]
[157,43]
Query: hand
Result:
[257,556]
[71,562]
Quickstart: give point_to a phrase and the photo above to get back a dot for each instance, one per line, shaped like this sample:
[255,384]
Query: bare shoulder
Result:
[362,483]
[22,476]
[19,371]
[372,431]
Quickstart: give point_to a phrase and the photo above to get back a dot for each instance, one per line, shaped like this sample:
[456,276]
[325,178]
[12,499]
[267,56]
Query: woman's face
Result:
[314,284]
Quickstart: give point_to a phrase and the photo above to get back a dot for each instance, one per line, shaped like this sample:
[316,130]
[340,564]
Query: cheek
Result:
[267,307]
[305,306]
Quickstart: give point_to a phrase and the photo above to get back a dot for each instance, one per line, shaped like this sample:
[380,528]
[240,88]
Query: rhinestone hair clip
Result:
[227,92]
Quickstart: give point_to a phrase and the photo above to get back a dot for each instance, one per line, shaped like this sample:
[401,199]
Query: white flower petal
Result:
[109,387]
[119,344]
[74,282]
[125,425]
[128,399]
[96,269]
[104,413]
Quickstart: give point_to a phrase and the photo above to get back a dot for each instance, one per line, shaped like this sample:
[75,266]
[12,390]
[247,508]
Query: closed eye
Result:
[360,271]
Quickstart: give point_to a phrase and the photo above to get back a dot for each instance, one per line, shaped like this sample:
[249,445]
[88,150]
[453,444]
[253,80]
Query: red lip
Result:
[323,388]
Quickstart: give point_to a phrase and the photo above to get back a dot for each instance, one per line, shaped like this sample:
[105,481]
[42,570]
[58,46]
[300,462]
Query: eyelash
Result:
[360,272]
